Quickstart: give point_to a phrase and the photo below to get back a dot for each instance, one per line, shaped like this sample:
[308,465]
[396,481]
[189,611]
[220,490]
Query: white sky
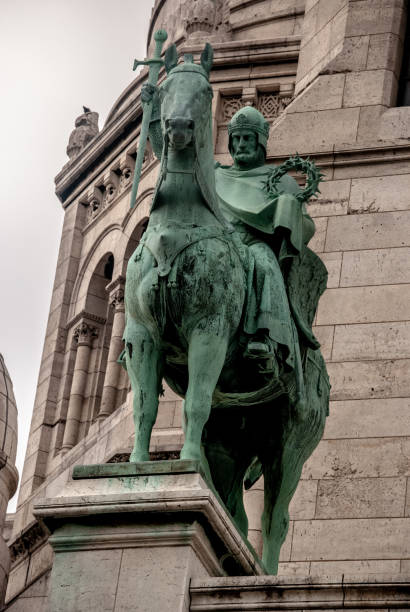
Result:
[55,56]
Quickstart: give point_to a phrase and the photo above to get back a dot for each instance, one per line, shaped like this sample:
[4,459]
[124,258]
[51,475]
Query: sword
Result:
[154,67]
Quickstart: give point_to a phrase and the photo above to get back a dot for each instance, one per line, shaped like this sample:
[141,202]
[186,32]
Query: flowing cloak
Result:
[245,202]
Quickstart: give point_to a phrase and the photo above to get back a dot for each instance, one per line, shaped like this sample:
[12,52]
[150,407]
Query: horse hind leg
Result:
[206,357]
[144,367]
[281,477]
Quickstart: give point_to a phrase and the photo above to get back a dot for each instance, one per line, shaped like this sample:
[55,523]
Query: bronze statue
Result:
[220,298]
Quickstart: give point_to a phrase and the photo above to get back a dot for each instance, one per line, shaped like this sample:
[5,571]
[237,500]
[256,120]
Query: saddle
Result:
[165,242]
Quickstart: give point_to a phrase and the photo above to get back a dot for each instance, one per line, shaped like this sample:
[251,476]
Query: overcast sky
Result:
[55,56]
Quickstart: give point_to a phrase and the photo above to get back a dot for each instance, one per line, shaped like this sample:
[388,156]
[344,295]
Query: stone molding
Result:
[34,535]
[295,593]
[193,535]
[88,317]
[164,491]
[271,16]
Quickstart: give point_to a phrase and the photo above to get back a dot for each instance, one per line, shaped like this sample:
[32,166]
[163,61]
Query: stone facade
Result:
[8,472]
[326,74]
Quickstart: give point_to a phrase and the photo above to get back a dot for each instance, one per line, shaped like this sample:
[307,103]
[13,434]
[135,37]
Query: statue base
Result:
[132,536]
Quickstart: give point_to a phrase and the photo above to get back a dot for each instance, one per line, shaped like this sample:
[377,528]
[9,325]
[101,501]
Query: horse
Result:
[185,296]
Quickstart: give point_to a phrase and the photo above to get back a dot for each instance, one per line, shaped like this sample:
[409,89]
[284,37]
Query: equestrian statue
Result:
[220,298]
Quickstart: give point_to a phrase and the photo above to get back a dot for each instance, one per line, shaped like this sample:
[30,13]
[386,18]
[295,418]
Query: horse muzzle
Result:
[180,131]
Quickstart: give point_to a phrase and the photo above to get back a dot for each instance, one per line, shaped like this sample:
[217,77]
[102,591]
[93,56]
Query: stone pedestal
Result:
[132,536]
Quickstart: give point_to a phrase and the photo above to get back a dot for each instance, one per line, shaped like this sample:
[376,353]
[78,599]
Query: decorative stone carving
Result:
[86,127]
[125,178]
[271,105]
[199,16]
[29,539]
[85,333]
[117,298]
[230,105]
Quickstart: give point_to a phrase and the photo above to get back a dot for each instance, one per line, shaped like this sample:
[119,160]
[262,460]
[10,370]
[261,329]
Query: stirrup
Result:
[258,350]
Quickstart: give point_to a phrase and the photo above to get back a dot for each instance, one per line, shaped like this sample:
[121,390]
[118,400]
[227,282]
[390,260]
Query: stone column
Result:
[83,335]
[113,371]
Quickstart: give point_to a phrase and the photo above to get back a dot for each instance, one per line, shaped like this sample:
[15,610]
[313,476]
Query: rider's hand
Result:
[147,93]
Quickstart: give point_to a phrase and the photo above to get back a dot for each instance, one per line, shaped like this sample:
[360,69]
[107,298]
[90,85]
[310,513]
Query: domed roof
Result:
[8,414]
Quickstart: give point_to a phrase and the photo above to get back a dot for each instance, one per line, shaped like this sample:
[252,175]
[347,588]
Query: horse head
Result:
[186,96]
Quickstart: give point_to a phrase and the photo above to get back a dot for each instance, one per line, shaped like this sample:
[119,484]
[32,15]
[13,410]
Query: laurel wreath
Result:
[304,166]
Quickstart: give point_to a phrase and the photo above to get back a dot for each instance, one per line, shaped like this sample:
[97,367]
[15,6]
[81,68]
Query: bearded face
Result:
[245,149]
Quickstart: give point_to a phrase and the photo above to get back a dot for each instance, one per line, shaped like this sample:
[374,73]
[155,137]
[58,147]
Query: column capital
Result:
[84,333]
[116,292]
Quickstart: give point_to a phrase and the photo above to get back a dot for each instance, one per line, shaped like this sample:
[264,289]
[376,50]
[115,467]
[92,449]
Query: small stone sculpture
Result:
[86,127]
[220,297]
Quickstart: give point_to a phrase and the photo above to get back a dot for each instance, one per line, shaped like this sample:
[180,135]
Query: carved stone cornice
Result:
[87,317]
[29,539]
[118,282]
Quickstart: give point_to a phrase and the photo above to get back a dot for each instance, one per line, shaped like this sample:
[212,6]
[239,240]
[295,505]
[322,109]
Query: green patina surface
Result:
[220,298]
[148,468]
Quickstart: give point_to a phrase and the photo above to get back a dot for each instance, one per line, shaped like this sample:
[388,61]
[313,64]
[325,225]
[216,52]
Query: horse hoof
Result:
[190,454]
[138,457]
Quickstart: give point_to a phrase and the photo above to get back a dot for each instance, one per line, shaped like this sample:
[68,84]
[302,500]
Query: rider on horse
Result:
[275,231]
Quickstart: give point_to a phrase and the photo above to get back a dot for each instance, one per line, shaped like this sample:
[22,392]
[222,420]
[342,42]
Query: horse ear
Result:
[207,58]
[171,58]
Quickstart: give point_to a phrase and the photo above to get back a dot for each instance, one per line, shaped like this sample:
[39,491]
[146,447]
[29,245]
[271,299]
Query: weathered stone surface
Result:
[352,56]
[316,97]
[378,303]
[333,263]
[395,124]
[298,592]
[317,243]
[377,418]
[369,123]
[289,135]
[384,52]
[359,458]
[371,340]
[361,498]
[332,200]
[324,333]
[17,579]
[354,568]
[351,539]
[364,231]
[368,379]
[303,503]
[294,569]
[380,194]
[374,267]
[32,598]
[374,17]
[369,87]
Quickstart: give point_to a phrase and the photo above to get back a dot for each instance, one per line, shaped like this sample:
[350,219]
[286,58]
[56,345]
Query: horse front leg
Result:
[206,357]
[144,367]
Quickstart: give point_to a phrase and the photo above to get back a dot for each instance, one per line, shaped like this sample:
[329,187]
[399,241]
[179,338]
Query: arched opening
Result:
[90,337]
[134,240]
